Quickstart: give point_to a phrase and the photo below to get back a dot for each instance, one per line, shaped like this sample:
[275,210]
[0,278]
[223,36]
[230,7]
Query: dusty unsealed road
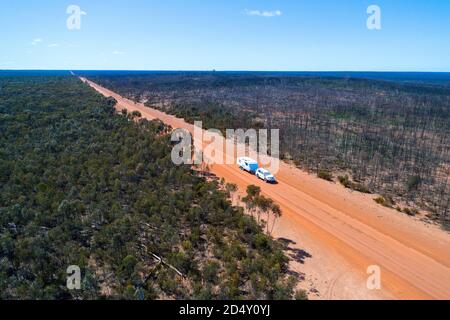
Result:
[335,234]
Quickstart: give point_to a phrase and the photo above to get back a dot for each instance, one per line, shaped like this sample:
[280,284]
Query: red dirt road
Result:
[336,234]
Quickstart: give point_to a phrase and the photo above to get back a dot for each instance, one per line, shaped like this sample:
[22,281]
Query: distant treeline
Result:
[81,185]
[387,137]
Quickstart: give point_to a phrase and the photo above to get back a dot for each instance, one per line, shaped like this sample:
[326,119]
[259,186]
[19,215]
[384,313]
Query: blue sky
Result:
[285,35]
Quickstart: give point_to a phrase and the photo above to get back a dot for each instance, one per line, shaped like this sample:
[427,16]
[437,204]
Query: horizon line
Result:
[228,70]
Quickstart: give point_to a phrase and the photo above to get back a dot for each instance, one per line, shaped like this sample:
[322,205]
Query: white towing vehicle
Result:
[265,175]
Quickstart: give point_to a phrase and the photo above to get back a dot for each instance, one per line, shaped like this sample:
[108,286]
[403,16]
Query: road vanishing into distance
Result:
[337,236]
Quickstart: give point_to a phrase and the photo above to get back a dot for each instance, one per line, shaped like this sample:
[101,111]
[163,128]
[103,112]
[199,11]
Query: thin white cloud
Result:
[53,45]
[37,41]
[265,14]
[118,53]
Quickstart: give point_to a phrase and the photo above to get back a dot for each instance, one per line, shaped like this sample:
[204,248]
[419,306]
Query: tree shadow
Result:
[298,255]
[286,242]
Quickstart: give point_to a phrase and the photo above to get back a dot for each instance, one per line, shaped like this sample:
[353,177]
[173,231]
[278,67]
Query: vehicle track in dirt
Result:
[343,232]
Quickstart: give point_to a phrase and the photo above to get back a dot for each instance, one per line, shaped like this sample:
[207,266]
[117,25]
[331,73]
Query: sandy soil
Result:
[335,234]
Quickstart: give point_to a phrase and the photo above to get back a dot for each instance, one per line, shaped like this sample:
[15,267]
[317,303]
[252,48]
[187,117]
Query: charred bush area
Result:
[386,137]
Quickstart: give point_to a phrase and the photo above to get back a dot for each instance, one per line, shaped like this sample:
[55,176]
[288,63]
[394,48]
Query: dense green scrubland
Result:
[82,185]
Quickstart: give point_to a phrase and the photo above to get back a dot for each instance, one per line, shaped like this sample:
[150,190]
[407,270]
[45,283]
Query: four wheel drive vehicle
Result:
[265,175]
[247,164]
